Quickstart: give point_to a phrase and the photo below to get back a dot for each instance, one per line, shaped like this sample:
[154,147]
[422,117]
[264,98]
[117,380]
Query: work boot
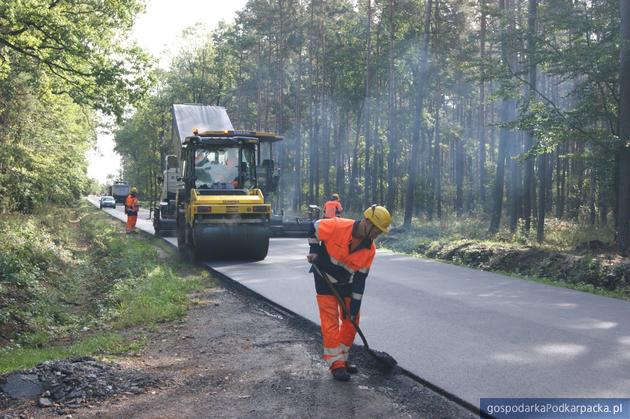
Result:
[340,374]
[352,369]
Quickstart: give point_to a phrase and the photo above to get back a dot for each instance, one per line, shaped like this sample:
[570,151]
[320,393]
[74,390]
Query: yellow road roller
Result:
[221,209]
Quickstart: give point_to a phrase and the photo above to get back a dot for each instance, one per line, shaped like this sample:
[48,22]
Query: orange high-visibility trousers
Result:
[337,333]
[131,222]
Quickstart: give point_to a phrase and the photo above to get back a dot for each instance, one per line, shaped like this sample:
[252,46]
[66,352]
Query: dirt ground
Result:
[237,356]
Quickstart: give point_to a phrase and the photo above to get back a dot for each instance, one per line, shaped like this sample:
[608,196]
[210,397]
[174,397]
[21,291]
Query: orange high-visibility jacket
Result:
[330,239]
[132,205]
[332,209]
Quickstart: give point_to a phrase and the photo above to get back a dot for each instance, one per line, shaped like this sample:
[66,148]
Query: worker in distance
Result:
[132,206]
[332,207]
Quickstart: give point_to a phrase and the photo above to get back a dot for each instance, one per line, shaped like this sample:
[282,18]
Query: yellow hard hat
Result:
[134,190]
[335,195]
[379,217]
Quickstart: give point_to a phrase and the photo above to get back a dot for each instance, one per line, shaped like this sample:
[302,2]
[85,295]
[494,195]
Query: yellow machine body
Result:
[219,208]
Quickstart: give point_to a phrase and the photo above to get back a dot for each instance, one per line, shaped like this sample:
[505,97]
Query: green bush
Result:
[32,262]
[567,235]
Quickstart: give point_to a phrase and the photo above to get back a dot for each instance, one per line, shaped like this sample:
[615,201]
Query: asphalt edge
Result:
[235,285]
[238,287]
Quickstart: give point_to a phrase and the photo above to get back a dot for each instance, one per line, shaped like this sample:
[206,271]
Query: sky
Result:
[158,31]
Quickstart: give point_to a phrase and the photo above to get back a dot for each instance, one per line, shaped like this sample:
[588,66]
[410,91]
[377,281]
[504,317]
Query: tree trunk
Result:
[342,138]
[507,108]
[542,188]
[326,148]
[391,122]
[578,171]
[420,81]
[529,187]
[515,196]
[437,163]
[297,199]
[312,51]
[499,181]
[592,214]
[558,179]
[459,164]
[549,184]
[623,167]
[354,195]
[603,207]
[367,181]
[482,108]
[377,168]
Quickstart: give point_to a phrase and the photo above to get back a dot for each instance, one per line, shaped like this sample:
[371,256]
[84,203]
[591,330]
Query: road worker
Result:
[132,206]
[343,250]
[333,208]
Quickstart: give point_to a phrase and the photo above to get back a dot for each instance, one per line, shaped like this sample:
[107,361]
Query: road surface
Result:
[472,333]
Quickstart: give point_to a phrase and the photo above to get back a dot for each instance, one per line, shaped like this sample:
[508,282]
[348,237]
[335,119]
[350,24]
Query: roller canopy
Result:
[203,117]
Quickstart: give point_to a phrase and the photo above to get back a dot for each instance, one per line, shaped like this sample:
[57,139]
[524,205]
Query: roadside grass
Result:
[572,256]
[67,271]
[101,344]
[158,296]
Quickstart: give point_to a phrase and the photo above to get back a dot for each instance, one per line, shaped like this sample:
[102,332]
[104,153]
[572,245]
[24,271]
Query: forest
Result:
[509,112]
[62,65]
[496,132]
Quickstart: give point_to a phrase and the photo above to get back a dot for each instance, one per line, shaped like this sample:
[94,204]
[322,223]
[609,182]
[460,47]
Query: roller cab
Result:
[221,209]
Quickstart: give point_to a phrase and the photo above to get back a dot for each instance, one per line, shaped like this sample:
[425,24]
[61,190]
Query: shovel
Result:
[384,360]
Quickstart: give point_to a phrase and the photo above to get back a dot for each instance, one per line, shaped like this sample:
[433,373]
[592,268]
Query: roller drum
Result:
[165,227]
[231,241]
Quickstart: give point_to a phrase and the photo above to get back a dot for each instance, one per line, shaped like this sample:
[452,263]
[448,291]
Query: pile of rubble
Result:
[71,383]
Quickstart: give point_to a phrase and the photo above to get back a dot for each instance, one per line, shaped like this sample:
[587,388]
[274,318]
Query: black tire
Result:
[163,227]
[184,244]
[181,238]
[259,256]
[156,222]
[260,252]
[195,255]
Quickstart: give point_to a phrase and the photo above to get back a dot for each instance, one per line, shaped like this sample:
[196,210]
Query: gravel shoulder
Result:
[236,356]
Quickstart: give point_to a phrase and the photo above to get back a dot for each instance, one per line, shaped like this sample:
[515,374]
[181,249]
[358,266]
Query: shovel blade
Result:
[385,360]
